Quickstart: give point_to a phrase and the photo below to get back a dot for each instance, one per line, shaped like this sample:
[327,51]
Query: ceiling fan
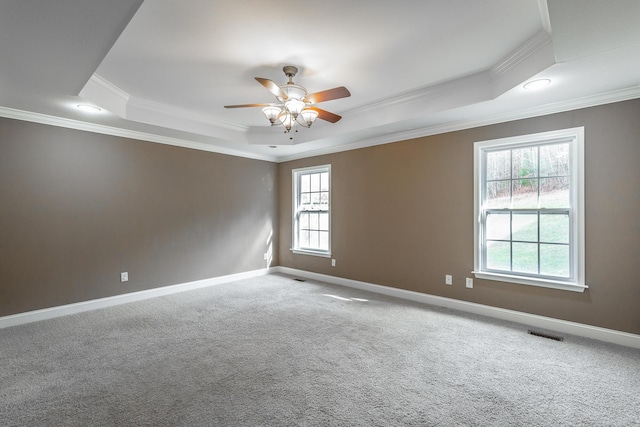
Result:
[295,105]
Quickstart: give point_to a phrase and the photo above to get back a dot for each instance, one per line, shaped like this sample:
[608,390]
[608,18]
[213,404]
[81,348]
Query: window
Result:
[311,210]
[529,209]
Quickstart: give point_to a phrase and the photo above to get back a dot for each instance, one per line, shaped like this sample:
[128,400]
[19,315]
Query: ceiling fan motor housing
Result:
[290,71]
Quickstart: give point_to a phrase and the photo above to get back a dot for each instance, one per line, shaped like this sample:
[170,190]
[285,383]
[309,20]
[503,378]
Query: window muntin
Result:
[311,210]
[529,209]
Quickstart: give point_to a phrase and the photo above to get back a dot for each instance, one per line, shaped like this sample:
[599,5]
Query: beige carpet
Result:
[272,351]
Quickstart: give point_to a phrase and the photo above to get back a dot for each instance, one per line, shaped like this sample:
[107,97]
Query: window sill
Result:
[545,283]
[310,252]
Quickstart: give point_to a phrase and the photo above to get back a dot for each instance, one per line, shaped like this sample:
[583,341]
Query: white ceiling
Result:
[162,70]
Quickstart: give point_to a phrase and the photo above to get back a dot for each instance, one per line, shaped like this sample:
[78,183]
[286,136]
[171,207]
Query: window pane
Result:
[499,165]
[554,193]
[498,194]
[324,221]
[324,199]
[554,160]
[554,260]
[525,193]
[313,239]
[305,183]
[304,220]
[525,227]
[525,162]
[315,182]
[554,228]
[499,256]
[324,181]
[324,240]
[498,226]
[315,200]
[304,239]
[525,257]
[313,221]
[305,198]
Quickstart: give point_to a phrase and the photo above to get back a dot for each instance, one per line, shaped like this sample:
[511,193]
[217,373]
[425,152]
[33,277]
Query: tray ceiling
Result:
[163,70]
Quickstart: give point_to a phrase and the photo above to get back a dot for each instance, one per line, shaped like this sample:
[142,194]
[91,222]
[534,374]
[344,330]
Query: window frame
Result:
[575,138]
[295,176]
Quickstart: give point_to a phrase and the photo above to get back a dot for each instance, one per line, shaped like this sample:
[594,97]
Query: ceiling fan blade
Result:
[326,115]
[246,105]
[272,87]
[328,95]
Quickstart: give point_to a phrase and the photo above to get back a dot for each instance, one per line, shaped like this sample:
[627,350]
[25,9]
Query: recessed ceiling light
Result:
[89,108]
[537,84]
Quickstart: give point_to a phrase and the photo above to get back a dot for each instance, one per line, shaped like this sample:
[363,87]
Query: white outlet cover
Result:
[448,280]
[124,277]
[469,282]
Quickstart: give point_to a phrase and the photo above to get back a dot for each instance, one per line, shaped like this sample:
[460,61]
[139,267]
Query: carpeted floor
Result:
[272,351]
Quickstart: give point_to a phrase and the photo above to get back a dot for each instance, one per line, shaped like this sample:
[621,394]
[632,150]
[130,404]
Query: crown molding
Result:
[28,116]
[106,85]
[558,107]
[533,56]
[544,15]
[103,93]
[526,50]
[107,95]
[553,108]
[166,110]
[447,89]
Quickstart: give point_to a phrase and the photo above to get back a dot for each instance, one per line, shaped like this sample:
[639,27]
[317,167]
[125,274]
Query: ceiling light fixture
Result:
[89,108]
[295,105]
[292,109]
[536,84]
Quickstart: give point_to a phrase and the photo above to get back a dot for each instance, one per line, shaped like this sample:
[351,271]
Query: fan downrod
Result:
[290,71]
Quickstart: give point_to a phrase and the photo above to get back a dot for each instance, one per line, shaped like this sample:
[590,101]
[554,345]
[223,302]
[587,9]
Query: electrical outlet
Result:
[265,256]
[333,262]
[469,282]
[124,276]
[448,280]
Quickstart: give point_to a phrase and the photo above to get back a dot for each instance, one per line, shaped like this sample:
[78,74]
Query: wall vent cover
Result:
[545,335]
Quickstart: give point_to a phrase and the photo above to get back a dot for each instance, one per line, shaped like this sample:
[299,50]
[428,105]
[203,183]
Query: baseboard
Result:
[563,326]
[64,310]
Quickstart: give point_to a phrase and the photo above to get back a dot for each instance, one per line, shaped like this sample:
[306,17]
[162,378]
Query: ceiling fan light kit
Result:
[309,116]
[294,106]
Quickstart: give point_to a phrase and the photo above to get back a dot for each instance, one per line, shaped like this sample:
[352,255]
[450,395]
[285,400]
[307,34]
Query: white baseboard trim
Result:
[79,307]
[563,326]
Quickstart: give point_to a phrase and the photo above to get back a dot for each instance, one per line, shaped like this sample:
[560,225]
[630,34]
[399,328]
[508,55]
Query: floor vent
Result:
[543,335]
[299,280]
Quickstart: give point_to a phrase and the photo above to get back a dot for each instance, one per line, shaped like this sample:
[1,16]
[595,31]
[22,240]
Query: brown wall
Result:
[78,208]
[402,216]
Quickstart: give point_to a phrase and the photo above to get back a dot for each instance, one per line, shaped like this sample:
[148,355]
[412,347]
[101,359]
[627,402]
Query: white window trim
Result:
[575,136]
[294,173]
